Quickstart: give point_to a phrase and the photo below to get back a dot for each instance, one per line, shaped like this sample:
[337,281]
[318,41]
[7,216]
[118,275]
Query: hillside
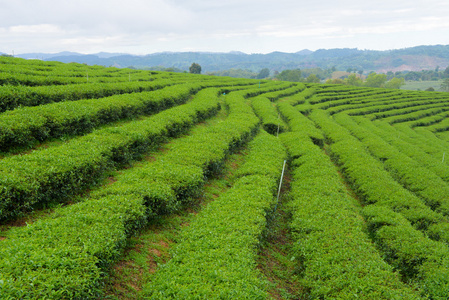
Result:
[131,184]
[411,59]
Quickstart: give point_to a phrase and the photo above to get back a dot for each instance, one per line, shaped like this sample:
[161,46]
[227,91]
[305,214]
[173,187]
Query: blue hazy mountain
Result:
[411,59]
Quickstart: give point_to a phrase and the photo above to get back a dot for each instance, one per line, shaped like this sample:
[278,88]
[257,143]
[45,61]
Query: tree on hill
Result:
[395,83]
[445,85]
[353,79]
[236,73]
[264,73]
[335,81]
[195,68]
[375,80]
[445,73]
[312,78]
[290,75]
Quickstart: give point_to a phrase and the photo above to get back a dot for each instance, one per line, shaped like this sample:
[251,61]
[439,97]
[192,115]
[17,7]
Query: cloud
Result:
[246,25]
[92,41]
[305,31]
[92,15]
[35,29]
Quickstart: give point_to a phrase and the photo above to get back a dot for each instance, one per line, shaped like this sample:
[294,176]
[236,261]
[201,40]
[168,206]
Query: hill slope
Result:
[412,59]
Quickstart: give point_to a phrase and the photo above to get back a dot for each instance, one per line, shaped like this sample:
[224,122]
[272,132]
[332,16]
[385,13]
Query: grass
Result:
[46,209]
[422,85]
[144,254]
[149,249]
[275,259]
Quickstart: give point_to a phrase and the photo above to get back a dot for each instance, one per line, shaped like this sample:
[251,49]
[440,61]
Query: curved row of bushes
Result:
[266,111]
[335,257]
[427,121]
[15,96]
[442,125]
[15,78]
[327,94]
[104,221]
[422,138]
[273,86]
[375,104]
[387,107]
[295,89]
[399,109]
[301,97]
[372,183]
[297,122]
[390,212]
[216,257]
[336,91]
[35,72]
[27,126]
[400,141]
[54,173]
[416,178]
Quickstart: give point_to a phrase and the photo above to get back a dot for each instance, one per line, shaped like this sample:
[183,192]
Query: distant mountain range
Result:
[407,59]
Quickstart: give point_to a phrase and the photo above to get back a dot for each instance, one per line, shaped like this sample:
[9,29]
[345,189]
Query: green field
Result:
[422,85]
[128,184]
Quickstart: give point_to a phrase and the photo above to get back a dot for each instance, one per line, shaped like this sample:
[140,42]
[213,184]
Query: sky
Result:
[250,26]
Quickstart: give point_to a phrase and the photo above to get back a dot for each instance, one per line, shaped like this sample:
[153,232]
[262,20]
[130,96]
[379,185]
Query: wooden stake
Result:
[280,185]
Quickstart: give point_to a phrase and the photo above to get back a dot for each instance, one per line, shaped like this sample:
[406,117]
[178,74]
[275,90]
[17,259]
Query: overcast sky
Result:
[250,26]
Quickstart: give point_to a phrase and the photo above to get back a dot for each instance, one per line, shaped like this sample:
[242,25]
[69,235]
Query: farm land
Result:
[130,184]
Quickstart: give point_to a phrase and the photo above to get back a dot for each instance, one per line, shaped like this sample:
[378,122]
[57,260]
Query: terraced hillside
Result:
[191,174]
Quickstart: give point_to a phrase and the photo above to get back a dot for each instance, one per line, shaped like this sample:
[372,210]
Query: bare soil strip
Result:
[275,256]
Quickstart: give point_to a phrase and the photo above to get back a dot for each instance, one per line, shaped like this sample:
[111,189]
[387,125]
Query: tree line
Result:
[352,76]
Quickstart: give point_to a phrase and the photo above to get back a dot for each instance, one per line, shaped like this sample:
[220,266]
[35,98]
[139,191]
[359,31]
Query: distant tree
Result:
[195,68]
[414,76]
[375,80]
[445,85]
[430,89]
[335,81]
[354,80]
[290,75]
[395,83]
[320,73]
[360,72]
[236,73]
[160,68]
[312,78]
[264,73]
[398,62]
[390,75]
[446,73]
